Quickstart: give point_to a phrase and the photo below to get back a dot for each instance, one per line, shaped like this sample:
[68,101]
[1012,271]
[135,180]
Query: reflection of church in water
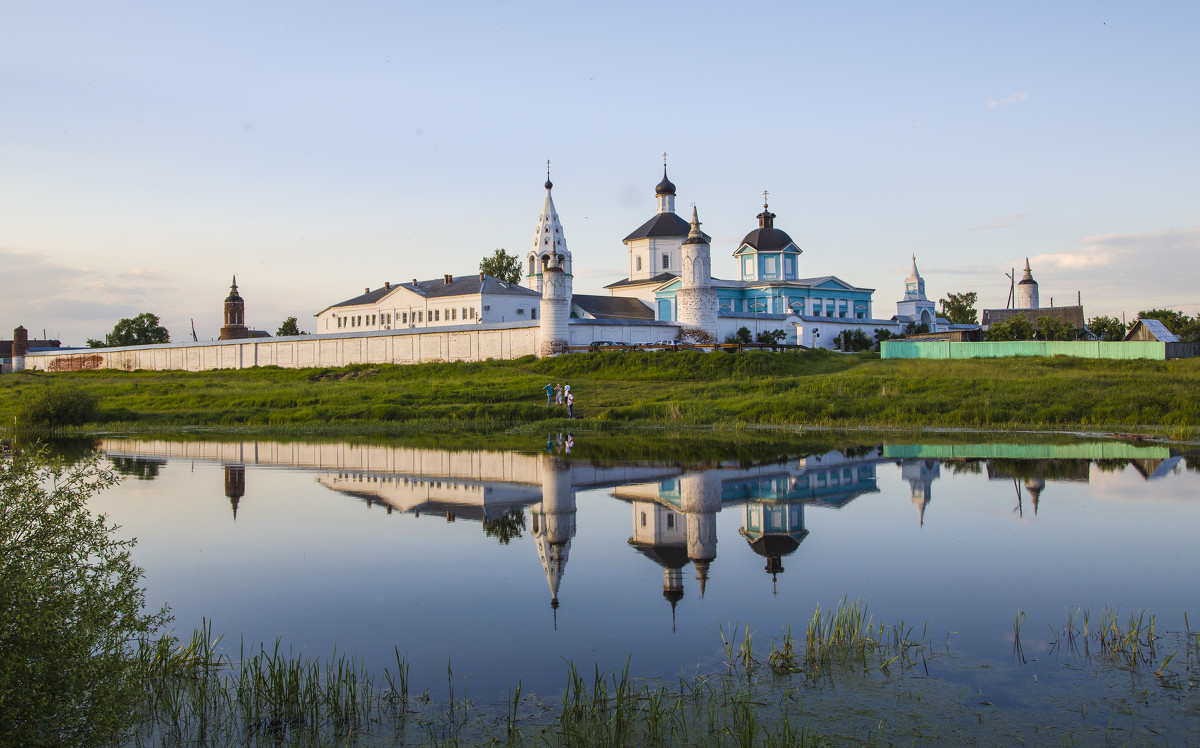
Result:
[674,509]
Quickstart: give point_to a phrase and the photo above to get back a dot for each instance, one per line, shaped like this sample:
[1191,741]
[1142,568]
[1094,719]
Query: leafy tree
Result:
[70,609]
[1107,328]
[741,336]
[506,528]
[502,265]
[1049,328]
[914,328]
[959,308]
[852,340]
[770,337]
[1015,327]
[143,329]
[1187,328]
[289,327]
[882,335]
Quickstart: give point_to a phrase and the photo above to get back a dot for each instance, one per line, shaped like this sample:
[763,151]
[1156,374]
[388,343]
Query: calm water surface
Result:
[504,565]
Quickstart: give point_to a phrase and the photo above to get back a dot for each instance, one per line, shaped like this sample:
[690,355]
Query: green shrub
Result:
[70,609]
[54,406]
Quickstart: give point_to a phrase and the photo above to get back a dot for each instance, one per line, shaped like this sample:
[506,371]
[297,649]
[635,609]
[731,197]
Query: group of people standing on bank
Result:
[558,394]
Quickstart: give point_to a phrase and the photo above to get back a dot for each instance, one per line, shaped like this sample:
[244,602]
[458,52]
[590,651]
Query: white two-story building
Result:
[450,300]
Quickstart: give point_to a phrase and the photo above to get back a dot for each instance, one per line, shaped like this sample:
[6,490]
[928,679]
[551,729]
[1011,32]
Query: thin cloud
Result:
[1013,98]
[1008,220]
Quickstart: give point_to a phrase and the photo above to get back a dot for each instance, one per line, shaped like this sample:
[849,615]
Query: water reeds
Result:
[195,694]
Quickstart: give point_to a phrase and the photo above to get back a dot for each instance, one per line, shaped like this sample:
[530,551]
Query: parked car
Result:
[598,344]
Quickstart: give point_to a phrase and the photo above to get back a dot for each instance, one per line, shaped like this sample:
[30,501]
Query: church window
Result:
[789,267]
[770,267]
[532,312]
[666,262]
[545,241]
[643,519]
[531,266]
[404,318]
[472,312]
[464,312]
[670,520]
[639,262]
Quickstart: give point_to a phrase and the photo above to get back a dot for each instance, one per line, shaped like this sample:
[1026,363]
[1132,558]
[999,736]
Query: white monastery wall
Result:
[471,343]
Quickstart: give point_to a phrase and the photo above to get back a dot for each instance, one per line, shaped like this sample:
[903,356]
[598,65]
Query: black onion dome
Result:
[765,240]
[766,237]
[775,545]
[549,184]
[666,186]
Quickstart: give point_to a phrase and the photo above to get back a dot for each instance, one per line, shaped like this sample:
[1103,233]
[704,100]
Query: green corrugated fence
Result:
[943,349]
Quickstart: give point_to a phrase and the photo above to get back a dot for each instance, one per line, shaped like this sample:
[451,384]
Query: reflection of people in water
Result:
[559,442]
[570,443]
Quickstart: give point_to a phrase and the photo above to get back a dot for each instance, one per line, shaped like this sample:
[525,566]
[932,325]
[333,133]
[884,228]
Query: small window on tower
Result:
[666,262]
[639,263]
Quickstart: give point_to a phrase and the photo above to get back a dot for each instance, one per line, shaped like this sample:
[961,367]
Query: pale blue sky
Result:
[148,151]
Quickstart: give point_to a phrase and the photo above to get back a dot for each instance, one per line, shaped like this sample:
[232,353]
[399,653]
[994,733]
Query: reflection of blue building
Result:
[773,531]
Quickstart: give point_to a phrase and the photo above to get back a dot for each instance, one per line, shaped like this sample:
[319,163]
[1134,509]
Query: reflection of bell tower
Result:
[920,475]
[773,531]
[553,522]
[235,485]
[659,535]
[700,500]
[1034,484]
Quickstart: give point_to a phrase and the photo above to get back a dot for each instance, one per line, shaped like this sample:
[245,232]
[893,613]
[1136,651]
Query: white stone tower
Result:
[553,522]
[1027,290]
[700,500]
[696,301]
[553,333]
[548,241]
[915,304]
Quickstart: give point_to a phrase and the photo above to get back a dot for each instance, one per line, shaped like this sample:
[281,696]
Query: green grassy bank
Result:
[814,388]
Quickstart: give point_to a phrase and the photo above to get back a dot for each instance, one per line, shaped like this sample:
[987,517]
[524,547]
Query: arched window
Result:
[639,262]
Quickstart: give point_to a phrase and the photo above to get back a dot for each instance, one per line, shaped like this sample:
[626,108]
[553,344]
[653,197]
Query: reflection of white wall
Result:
[655,524]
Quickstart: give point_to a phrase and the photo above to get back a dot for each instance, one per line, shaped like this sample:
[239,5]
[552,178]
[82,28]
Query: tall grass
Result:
[816,388]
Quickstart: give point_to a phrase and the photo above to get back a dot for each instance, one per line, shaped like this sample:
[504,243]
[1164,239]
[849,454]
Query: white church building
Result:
[669,291]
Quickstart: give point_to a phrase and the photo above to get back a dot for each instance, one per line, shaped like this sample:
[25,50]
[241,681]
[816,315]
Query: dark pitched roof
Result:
[463,285]
[613,307]
[660,278]
[1072,315]
[662,224]
[471,284]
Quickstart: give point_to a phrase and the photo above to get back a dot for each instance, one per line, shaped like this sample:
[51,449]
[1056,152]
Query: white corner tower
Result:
[915,306]
[696,301]
[548,241]
[1027,290]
